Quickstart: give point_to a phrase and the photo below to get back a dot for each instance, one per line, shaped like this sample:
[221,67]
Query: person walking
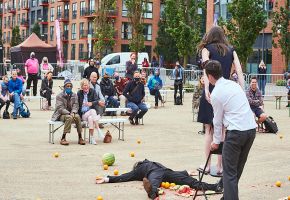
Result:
[31,71]
[231,110]
[215,46]
[262,78]
[178,82]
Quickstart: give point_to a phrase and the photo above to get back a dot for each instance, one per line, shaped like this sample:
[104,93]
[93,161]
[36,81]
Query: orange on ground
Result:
[116,172]
[106,167]
[278,183]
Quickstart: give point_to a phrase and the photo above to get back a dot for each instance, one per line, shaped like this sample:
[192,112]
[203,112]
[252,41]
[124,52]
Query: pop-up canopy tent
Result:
[21,52]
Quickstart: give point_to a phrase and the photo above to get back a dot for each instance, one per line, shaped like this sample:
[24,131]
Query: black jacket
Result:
[89,70]
[137,95]
[107,87]
[46,85]
[92,97]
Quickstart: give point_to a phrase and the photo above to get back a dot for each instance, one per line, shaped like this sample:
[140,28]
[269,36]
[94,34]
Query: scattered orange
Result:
[99,198]
[167,185]
[116,172]
[172,184]
[278,183]
[132,154]
[106,167]
[288,197]
[56,155]
[163,184]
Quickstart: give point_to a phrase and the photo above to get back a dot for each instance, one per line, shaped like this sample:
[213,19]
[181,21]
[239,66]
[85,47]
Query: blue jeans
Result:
[135,108]
[114,102]
[262,85]
[17,104]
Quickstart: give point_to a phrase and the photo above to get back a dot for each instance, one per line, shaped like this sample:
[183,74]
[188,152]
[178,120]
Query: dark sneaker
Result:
[219,186]
[14,117]
[81,141]
[136,120]
[64,142]
[131,121]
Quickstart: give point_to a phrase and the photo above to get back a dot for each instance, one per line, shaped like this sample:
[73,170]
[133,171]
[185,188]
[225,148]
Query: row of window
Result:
[8,35]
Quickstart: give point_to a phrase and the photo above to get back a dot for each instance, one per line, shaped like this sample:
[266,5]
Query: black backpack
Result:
[6,115]
[271,125]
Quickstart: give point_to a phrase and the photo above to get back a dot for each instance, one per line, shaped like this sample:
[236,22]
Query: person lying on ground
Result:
[153,174]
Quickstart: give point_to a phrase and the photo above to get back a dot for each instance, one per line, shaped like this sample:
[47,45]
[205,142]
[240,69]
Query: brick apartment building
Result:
[272,56]
[76,23]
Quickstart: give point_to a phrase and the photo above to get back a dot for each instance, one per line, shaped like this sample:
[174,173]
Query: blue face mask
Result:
[68,90]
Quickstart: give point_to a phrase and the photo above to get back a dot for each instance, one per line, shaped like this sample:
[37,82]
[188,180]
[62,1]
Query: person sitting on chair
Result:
[4,94]
[256,100]
[119,85]
[135,92]
[153,173]
[15,91]
[108,90]
[154,85]
[66,110]
[46,89]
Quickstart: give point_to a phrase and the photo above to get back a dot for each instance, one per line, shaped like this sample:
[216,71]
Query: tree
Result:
[104,27]
[280,30]
[184,24]
[248,19]
[36,29]
[16,39]
[136,10]
[166,45]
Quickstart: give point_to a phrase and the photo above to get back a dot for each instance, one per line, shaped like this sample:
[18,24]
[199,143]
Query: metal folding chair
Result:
[202,172]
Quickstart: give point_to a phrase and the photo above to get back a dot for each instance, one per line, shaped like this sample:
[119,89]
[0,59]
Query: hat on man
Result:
[67,81]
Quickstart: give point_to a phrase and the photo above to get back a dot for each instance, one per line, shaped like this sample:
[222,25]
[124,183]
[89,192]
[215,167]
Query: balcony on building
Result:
[25,23]
[63,17]
[63,0]
[64,37]
[12,10]
[25,5]
[44,3]
[43,20]
[88,13]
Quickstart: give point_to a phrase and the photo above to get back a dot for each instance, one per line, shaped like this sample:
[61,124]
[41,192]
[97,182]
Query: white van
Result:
[117,61]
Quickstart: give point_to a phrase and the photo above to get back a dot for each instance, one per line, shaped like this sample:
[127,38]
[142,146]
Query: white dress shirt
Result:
[231,109]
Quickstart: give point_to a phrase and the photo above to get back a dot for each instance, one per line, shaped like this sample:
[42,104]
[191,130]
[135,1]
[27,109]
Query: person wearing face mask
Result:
[45,67]
[66,110]
[108,90]
[91,68]
[88,103]
[46,90]
[31,71]
[154,85]
[119,85]
[135,92]
[15,91]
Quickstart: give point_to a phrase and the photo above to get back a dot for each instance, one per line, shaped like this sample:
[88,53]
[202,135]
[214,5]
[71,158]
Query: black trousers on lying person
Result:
[47,95]
[157,95]
[32,77]
[236,148]
[157,173]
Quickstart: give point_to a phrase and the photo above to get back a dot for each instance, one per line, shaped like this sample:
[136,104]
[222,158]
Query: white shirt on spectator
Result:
[231,109]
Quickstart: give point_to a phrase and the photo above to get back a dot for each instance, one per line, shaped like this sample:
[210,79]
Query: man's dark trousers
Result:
[32,77]
[236,148]
[178,85]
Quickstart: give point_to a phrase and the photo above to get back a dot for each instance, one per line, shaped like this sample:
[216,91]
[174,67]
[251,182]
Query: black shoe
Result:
[131,121]
[14,117]
[148,188]
[219,186]
[136,120]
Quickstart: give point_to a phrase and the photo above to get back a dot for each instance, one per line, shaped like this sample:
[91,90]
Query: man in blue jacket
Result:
[15,90]
[135,92]
[154,85]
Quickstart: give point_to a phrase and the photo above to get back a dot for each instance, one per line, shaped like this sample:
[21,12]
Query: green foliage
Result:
[36,29]
[248,19]
[16,39]
[104,28]
[136,10]
[281,82]
[184,24]
[166,45]
[281,31]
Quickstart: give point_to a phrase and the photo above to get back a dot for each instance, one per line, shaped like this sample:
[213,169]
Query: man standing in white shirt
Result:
[231,110]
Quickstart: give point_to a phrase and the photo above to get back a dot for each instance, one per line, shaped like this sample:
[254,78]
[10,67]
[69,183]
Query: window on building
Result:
[126,31]
[83,8]
[19,5]
[74,10]
[4,39]
[39,15]
[90,27]
[33,4]
[65,49]
[148,14]
[32,17]
[162,10]
[147,32]
[18,19]
[66,11]
[58,12]
[51,14]
[73,31]
[82,32]
[124,9]
[52,1]
[81,52]
[65,32]
[73,52]
[91,6]
[51,33]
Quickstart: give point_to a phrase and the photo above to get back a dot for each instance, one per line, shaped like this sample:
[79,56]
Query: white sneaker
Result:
[93,140]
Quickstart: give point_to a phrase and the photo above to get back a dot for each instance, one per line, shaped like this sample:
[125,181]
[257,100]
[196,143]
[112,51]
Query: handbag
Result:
[108,137]
[271,125]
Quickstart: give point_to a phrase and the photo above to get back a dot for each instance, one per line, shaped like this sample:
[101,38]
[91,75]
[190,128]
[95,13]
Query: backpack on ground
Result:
[6,115]
[25,113]
[270,125]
